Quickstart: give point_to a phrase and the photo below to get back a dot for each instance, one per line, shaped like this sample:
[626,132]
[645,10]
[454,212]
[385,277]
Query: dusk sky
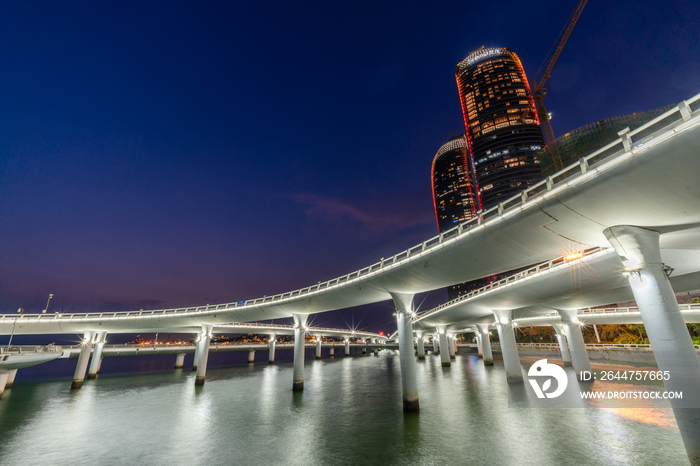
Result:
[163,154]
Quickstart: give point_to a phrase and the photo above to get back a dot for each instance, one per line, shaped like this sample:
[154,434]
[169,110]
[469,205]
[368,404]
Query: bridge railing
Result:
[555,346]
[511,279]
[587,312]
[679,118]
[29,349]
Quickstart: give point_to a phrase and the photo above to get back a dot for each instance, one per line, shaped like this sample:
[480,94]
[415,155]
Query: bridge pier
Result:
[577,347]
[409,384]
[455,350]
[3,381]
[96,361]
[319,341]
[331,351]
[509,349]
[273,342]
[451,345]
[435,344]
[83,359]
[299,340]
[478,343]
[375,351]
[179,360]
[364,348]
[347,347]
[444,349]
[195,361]
[561,338]
[485,344]
[670,340]
[251,357]
[420,344]
[203,347]
[11,378]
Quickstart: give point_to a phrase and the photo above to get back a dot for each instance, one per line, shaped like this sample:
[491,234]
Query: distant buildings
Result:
[497,157]
[502,129]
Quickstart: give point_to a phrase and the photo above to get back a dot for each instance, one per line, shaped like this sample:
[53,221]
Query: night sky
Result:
[181,153]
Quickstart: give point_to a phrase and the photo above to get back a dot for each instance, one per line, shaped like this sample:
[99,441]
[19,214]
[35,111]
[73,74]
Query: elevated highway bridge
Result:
[631,208]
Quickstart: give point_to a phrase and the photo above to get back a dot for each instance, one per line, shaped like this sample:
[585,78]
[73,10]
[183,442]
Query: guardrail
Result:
[518,277]
[683,117]
[587,312]
[28,349]
[555,346]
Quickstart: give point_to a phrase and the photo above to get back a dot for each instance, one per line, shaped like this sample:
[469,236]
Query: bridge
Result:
[620,224]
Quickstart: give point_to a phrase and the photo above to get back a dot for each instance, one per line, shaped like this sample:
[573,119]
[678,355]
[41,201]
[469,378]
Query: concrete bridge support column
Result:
[96,361]
[364,348]
[347,347]
[478,343]
[319,341]
[455,350]
[203,354]
[331,351]
[409,383]
[486,344]
[11,378]
[444,349]
[451,345]
[299,340]
[420,344]
[577,347]
[509,348]
[195,361]
[83,359]
[668,335]
[273,343]
[561,338]
[251,357]
[435,344]
[3,381]
[179,360]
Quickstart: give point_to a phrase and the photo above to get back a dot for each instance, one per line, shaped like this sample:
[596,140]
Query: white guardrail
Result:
[540,268]
[587,312]
[594,346]
[632,142]
[30,349]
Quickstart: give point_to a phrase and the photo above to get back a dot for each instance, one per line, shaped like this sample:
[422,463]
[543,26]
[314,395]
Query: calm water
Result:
[349,413]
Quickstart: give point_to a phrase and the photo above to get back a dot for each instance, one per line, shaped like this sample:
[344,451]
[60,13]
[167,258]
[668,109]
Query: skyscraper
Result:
[454,189]
[455,196]
[502,129]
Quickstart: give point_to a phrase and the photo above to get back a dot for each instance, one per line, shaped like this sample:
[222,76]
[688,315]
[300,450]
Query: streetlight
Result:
[19,311]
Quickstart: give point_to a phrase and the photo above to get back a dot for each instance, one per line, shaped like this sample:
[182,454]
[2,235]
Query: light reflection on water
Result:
[350,412]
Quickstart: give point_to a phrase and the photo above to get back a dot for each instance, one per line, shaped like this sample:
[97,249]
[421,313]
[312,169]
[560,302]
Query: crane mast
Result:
[540,89]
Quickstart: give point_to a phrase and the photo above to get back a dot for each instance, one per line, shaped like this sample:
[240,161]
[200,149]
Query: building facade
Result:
[454,188]
[455,196]
[502,129]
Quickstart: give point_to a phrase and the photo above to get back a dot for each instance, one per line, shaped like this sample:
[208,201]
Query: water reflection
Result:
[350,411]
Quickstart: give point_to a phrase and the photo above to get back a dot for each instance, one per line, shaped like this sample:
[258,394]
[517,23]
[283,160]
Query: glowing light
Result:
[573,256]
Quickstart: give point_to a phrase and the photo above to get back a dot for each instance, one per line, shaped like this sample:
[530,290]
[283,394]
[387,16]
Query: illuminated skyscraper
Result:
[502,128]
[455,196]
[454,188]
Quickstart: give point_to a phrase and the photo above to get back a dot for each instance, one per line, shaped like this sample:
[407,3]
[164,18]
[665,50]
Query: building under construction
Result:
[582,141]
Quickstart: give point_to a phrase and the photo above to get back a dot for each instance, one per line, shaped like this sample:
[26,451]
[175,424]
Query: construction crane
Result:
[539,88]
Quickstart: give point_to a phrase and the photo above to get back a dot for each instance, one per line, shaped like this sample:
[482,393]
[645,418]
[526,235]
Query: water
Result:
[349,413]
